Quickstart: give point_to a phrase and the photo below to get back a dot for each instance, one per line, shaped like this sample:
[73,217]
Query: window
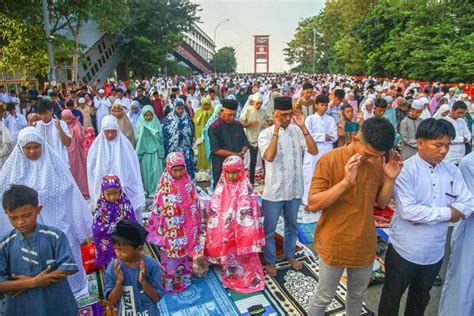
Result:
[110,51]
[100,48]
[96,67]
[84,66]
[103,59]
[93,72]
[69,74]
[89,77]
[100,63]
[107,54]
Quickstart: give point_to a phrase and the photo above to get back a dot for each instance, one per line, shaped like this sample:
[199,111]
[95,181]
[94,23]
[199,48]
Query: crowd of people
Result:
[84,162]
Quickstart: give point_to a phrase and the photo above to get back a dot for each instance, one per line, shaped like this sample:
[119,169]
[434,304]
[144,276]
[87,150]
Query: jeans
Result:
[329,277]
[271,214]
[400,274]
[253,162]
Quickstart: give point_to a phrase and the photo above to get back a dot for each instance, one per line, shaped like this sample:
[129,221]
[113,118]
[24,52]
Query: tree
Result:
[24,41]
[74,14]
[417,39]
[224,60]
[153,30]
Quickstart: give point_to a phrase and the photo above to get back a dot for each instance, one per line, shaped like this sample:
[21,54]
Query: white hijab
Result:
[115,157]
[64,206]
[443,108]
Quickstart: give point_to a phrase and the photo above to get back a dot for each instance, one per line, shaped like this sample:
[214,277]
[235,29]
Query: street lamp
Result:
[215,33]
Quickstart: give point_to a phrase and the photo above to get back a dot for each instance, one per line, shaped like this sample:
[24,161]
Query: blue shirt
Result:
[30,256]
[133,298]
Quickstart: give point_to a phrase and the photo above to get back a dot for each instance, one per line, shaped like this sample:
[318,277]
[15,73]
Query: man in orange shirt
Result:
[346,184]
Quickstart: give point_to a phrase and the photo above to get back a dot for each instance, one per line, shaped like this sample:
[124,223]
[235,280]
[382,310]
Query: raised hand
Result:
[299,118]
[393,166]
[118,272]
[351,168]
[142,273]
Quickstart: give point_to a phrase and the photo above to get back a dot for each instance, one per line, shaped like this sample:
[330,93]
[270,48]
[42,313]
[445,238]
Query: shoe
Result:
[438,281]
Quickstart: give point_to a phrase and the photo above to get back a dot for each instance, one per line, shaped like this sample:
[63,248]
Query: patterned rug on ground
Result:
[206,297]
[306,232]
[291,291]
[252,304]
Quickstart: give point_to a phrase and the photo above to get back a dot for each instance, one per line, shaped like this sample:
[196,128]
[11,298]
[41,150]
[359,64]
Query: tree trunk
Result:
[75,56]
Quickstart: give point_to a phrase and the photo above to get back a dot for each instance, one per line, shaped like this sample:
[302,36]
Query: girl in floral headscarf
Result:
[234,234]
[112,207]
[175,224]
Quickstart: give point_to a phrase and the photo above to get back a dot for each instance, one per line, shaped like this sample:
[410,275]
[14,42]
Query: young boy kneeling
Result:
[132,282]
[34,260]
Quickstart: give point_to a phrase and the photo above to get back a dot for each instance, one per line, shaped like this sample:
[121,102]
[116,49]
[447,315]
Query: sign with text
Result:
[261,53]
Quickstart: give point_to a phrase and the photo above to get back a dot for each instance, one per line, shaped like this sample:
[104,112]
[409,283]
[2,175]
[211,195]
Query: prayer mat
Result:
[255,304]
[306,232]
[206,296]
[291,291]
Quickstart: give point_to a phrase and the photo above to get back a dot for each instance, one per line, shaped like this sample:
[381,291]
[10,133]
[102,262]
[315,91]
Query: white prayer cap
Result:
[424,100]
[257,97]
[418,105]
[135,104]
[81,100]
[109,122]
[101,91]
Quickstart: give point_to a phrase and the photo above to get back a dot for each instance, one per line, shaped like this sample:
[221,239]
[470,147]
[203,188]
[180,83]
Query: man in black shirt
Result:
[141,97]
[227,138]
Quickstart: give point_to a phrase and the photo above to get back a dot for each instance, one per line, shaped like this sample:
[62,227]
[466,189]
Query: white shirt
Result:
[103,108]
[284,175]
[15,124]
[4,97]
[318,127]
[51,136]
[422,195]
[457,150]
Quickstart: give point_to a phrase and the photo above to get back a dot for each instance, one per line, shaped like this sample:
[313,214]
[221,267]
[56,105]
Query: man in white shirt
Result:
[429,193]
[14,121]
[323,129]
[102,105]
[54,131]
[463,136]
[282,146]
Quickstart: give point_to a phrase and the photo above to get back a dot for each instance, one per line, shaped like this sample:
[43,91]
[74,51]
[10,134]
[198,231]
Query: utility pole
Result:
[314,49]
[49,43]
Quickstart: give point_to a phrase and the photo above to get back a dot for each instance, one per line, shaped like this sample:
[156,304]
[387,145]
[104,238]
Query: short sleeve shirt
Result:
[46,246]
[134,300]
[345,234]
[284,175]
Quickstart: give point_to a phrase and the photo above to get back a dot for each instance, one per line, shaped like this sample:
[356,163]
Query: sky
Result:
[277,18]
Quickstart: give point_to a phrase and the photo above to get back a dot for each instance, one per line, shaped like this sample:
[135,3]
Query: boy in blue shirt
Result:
[34,260]
[133,280]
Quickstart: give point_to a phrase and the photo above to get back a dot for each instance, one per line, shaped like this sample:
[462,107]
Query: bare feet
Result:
[271,270]
[296,265]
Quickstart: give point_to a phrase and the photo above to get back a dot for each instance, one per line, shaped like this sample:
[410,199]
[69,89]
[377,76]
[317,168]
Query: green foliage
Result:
[154,29]
[224,60]
[24,47]
[416,39]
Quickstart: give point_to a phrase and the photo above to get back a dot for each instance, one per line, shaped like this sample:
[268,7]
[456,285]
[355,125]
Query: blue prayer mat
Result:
[206,297]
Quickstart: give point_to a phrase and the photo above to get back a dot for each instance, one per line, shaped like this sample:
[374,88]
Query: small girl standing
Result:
[175,224]
[112,207]
[88,139]
[234,235]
